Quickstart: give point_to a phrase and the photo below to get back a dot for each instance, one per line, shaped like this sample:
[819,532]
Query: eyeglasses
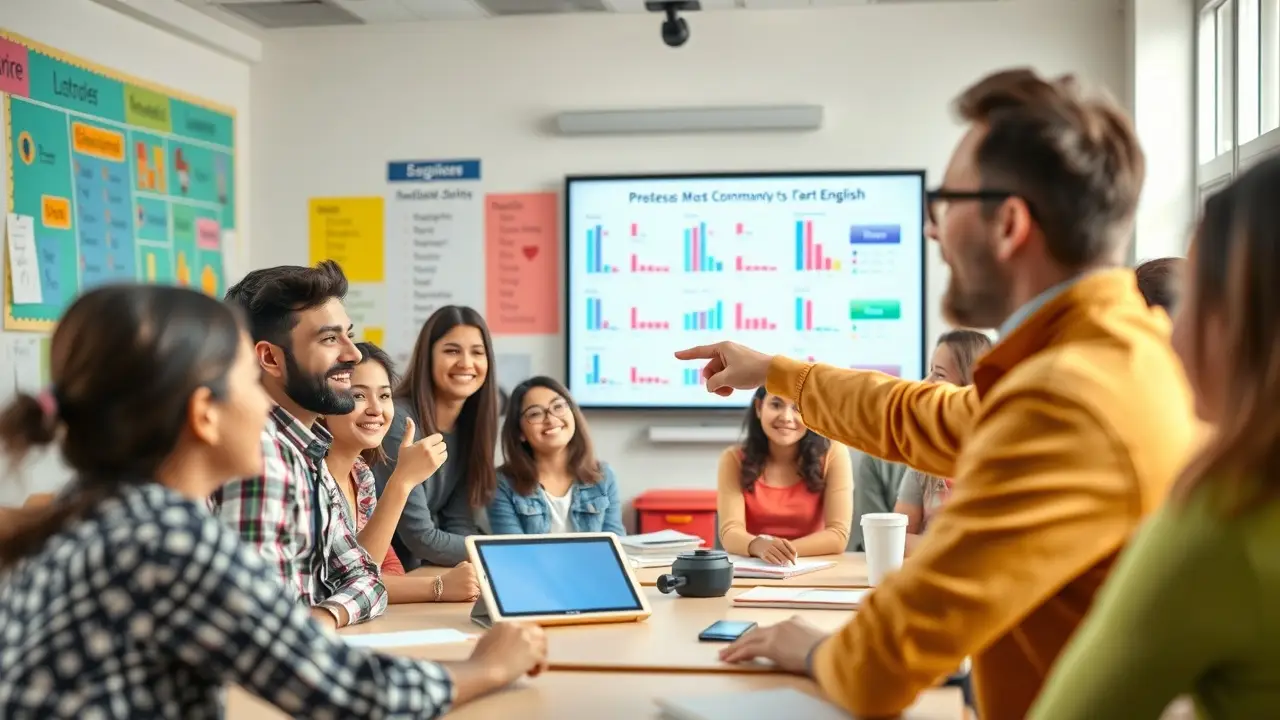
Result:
[536,414]
[936,201]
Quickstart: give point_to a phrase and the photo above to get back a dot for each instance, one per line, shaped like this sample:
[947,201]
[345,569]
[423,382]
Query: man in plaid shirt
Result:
[294,512]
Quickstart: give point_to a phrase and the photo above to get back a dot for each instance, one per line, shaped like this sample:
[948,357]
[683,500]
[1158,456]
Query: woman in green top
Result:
[1193,606]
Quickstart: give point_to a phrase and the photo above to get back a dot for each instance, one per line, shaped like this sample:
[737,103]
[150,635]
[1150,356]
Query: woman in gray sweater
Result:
[448,391]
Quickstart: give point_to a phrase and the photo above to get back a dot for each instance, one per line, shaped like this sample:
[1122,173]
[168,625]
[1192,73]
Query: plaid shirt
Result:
[279,512]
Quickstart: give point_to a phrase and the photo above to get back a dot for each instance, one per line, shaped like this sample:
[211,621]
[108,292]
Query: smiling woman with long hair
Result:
[1191,605]
[785,490]
[448,390]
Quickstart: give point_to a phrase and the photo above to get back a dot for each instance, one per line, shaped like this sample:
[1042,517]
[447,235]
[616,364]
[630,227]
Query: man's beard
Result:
[313,392]
[978,297]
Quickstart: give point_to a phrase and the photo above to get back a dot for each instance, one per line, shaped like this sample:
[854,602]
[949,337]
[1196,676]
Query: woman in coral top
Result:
[785,491]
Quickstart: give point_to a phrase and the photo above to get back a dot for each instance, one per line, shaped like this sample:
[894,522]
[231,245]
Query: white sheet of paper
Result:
[407,638]
[24,351]
[24,260]
[803,595]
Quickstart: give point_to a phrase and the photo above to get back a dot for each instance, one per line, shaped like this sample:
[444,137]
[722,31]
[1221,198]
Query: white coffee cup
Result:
[884,535]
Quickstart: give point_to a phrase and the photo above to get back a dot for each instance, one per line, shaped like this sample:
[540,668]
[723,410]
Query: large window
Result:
[1238,86]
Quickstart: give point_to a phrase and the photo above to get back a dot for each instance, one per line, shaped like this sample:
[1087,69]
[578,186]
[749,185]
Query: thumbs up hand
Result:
[418,460]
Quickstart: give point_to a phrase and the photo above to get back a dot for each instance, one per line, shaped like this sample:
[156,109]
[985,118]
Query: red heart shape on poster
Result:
[530,251]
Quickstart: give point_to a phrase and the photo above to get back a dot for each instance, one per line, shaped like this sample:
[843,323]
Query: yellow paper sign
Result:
[349,231]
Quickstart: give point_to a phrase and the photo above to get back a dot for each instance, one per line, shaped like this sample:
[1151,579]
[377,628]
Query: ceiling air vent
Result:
[291,14]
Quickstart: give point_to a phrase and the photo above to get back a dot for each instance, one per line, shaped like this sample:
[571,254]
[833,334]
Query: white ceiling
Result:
[297,13]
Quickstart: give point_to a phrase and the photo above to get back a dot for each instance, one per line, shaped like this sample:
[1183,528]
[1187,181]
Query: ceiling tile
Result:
[377,11]
[444,9]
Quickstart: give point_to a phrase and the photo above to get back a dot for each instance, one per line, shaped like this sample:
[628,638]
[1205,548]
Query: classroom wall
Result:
[106,37]
[333,105]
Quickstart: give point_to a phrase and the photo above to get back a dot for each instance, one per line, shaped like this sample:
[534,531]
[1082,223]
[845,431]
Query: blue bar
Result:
[595,368]
[719,315]
[688,251]
[591,251]
[800,245]
[719,266]
[599,247]
[875,235]
[799,313]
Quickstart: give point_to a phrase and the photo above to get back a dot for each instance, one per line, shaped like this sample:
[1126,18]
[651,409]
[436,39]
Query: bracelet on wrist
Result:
[439,588]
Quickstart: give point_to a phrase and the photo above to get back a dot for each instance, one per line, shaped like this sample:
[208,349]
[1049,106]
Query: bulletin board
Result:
[124,181]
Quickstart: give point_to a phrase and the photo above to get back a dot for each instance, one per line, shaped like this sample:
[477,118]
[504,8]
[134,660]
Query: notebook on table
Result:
[758,705]
[801,598]
[749,567]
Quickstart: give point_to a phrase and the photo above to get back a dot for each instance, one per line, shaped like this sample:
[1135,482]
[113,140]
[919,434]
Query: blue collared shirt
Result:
[1028,309]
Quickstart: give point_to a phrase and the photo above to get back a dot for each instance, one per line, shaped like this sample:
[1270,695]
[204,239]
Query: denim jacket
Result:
[594,508]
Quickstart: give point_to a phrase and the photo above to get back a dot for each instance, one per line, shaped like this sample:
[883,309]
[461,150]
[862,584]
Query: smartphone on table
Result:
[725,631]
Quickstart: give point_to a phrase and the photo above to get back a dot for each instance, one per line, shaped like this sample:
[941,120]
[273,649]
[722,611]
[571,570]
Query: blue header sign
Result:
[433,170]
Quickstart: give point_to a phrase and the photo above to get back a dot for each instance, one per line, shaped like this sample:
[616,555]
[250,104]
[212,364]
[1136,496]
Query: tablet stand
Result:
[480,614]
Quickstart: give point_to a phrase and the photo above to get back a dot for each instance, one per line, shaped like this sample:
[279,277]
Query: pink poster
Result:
[208,234]
[15,73]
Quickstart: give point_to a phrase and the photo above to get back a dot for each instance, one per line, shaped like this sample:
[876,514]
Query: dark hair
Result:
[810,461]
[372,353]
[1073,159]
[1160,282]
[966,346]
[478,422]
[518,463]
[272,297]
[124,362]
[1236,282]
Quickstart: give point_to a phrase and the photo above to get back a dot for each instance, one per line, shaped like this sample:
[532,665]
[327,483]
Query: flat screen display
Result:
[557,576]
[826,267]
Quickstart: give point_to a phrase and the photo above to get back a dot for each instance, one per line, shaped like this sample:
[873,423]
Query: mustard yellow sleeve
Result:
[916,423]
[837,507]
[730,506]
[1041,496]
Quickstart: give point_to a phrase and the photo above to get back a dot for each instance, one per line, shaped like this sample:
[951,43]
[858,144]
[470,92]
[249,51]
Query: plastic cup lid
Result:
[884,519]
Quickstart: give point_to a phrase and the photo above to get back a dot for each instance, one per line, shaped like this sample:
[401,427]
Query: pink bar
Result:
[635,228]
[740,262]
[828,267]
[808,314]
[809,264]
[817,256]
[633,319]
[696,259]
[635,263]
[633,375]
[739,228]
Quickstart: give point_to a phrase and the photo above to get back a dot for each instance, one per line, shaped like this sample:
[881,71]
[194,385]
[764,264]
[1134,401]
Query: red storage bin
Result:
[689,511]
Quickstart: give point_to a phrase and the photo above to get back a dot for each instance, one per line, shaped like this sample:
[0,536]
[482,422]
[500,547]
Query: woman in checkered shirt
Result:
[125,597]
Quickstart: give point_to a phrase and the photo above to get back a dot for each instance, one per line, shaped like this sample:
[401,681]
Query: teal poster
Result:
[124,182]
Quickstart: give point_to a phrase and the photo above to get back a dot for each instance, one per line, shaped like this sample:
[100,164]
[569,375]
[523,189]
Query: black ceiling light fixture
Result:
[675,31]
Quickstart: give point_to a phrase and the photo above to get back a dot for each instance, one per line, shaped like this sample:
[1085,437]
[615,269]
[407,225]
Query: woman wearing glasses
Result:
[550,480]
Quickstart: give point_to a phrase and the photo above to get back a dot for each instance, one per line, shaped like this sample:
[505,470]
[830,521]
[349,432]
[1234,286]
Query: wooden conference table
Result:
[661,656]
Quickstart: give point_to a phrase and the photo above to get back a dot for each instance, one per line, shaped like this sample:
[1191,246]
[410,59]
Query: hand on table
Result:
[787,644]
[773,550]
[512,650]
[729,367]
[460,584]
[419,460]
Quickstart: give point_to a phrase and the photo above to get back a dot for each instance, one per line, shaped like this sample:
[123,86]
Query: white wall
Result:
[106,37]
[1161,44]
[332,106]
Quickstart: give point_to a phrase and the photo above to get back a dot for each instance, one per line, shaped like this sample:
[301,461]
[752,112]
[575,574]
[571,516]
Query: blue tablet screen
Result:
[557,576]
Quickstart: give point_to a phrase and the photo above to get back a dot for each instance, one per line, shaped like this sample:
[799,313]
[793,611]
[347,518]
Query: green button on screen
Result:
[875,310]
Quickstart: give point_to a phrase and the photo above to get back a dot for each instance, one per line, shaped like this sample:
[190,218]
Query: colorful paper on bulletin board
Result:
[349,230]
[522,268]
[120,175]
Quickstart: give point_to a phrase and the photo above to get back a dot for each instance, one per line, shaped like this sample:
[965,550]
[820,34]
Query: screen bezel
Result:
[477,544]
[569,180]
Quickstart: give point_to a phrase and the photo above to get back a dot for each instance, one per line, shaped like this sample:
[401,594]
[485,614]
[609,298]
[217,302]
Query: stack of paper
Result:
[748,567]
[658,549]
[801,598]
[757,705]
